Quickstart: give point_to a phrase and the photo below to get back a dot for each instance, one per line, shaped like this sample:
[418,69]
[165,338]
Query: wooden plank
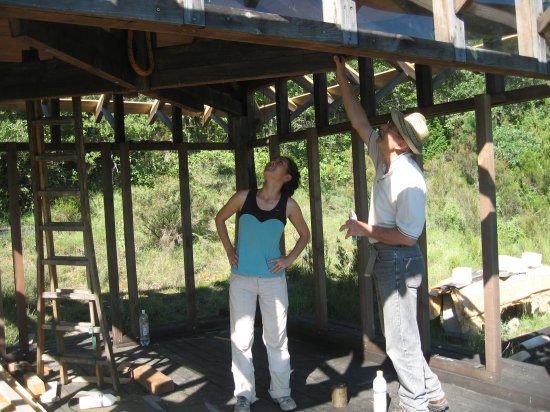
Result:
[129,243]
[494,84]
[343,14]
[448,27]
[317,239]
[187,227]
[207,62]
[17,249]
[530,42]
[193,12]
[48,79]
[244,25]
[489,240]
[153,380]
[153,111]
[111,244]
[543,22]
[462,5]
[92,49]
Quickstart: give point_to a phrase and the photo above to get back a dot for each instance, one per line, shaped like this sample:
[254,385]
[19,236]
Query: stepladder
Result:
[68,288]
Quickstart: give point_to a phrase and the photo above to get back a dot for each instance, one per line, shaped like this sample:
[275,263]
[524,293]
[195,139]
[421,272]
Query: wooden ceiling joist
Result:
[91,49]
[250,25]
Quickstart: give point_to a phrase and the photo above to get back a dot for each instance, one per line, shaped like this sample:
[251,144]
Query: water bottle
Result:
[144,329]
[353,216]
[379,388]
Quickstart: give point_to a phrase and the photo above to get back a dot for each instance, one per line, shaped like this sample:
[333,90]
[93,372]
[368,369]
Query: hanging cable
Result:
[132,58]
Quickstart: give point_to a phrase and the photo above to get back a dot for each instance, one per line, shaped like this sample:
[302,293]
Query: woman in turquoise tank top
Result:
[258,273]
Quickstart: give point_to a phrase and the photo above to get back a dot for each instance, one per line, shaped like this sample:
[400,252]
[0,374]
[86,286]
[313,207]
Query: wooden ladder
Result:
[96,326]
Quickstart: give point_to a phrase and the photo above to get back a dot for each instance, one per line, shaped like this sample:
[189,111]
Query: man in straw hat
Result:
[396,219]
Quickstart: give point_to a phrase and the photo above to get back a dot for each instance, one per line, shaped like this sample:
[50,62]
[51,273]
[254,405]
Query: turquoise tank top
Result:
[259,235]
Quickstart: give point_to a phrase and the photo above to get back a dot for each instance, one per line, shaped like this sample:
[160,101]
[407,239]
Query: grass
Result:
[160,268]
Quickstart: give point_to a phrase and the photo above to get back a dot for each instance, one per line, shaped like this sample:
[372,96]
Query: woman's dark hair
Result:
[290,186]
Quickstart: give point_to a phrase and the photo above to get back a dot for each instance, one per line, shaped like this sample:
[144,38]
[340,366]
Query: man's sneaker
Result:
[242,405]
[286,403]
[439,405]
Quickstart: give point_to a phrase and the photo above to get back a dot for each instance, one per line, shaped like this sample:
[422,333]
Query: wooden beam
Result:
[449,27]
[343,14]
[206,62]
[129,242]
[360,191]
[317,238]
[246,25]
[462,5]
[157,105]
[17,252]
[320,99]
[193,12]
[543,22]
[211,96]
[88,48]
[110,241]
[530,42]
[281,107]
[424,98]
[489,239]
[187,227]
[48,79]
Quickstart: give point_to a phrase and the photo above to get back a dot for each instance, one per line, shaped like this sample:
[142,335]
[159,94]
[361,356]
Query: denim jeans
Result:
[273,298]
[398,272]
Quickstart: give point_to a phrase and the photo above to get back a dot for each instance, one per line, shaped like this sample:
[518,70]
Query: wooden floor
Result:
[200,368]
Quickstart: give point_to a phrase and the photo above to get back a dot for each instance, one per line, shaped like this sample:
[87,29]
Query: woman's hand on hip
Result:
[279,264]
[232,257]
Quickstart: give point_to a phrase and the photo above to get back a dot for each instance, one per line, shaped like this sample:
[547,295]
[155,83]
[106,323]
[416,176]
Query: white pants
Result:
[273,298]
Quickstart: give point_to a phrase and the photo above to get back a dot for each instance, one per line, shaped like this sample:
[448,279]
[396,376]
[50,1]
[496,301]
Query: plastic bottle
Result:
[353,216]
[96,400]
[379,388]
[144,339]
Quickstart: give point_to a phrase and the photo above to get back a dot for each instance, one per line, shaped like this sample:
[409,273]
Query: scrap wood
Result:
[17,395]
[153,380]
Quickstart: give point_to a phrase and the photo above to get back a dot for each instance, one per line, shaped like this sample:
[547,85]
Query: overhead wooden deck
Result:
[200,368]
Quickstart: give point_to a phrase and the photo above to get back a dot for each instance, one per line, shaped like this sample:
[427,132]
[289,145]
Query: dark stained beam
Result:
[48,79]
[462,5]
[248,25]
[211,96]
[207,61]
[178,98]
[92,49]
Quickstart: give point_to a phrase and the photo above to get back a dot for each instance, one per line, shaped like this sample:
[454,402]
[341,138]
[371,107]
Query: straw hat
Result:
[413,128]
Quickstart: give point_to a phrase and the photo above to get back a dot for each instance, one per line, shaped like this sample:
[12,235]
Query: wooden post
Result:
[424,96]
[110,240]
[489,239]
[118,102]
[317,239]
[185,202]
[177,126]
[17,248]
[361,198]
[129,243]
[55,129]
[320,100]
[281,107]
[530,42]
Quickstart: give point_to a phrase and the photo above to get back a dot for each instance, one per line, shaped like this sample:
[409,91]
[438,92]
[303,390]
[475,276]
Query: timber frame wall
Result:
[310,52]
